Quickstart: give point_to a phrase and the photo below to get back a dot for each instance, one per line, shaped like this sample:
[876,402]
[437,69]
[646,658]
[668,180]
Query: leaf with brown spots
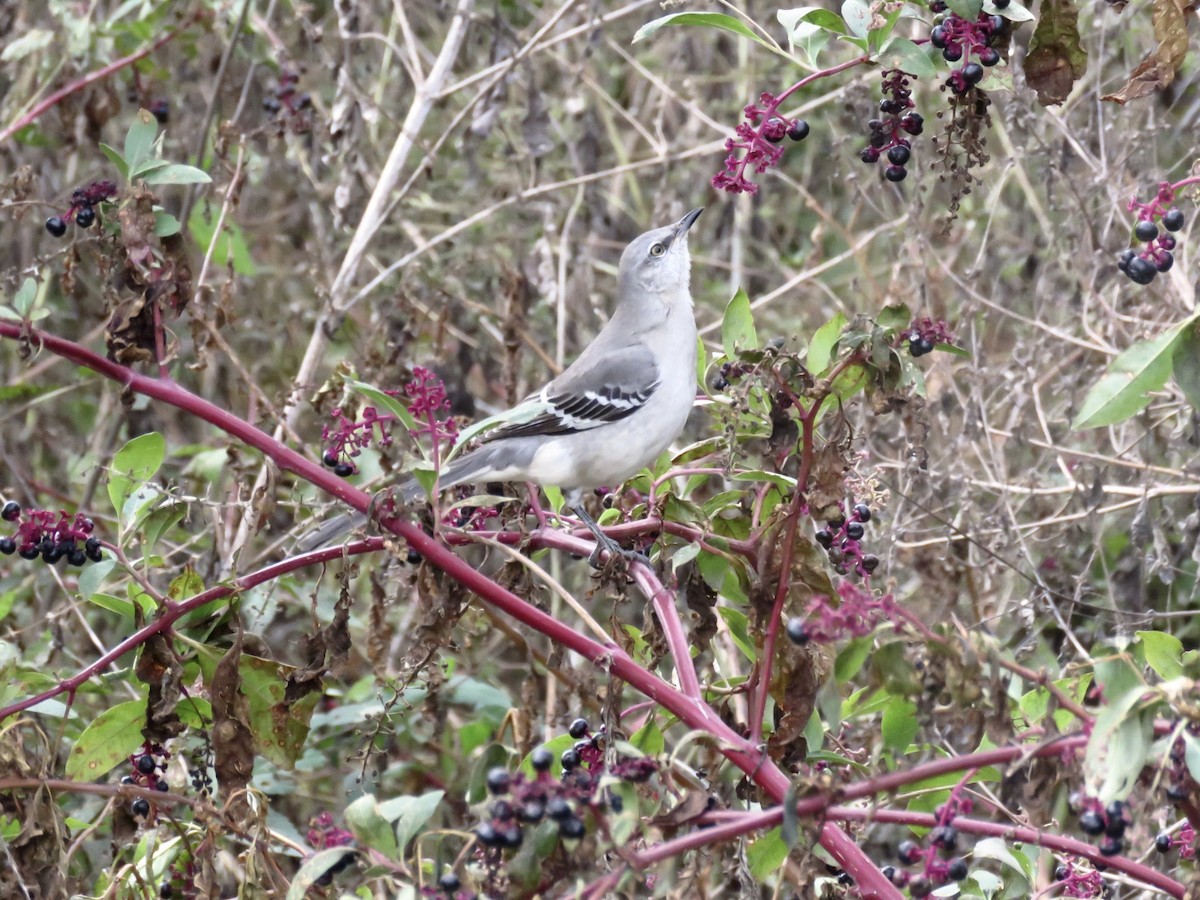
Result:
[232,739]
[1160,66]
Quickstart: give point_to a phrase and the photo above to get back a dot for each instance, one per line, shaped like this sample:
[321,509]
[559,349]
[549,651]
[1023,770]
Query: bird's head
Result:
[657,262]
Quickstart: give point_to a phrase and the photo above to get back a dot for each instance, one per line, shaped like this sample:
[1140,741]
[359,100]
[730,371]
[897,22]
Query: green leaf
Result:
[166,225]
[851,658]
[230,243]
[820,348]
[134,465]
[370,827]
[411,814]
[1013,11]
[1119,743]
[766,854]
[139,141]
[706,20]
[901,53]
[177,173]
[739,629]
[314,867]
[1185,366]
[893,317]
[737,327]
[966,9]
[649,738]
[899,724]
[31,41]
[107,741]
[857,14]
[385,403]
[25,297]
[117,160]
[1125,388]
[809,28]
[1164,653]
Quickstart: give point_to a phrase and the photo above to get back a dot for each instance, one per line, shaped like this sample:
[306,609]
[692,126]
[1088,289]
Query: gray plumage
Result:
[611,412]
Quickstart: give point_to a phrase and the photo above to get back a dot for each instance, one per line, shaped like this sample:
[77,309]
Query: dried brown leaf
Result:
[1160,66]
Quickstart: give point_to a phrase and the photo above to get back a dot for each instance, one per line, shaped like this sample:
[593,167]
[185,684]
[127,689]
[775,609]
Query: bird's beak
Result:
[686,222]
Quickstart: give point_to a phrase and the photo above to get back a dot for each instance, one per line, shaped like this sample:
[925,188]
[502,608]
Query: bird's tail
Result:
[478,465]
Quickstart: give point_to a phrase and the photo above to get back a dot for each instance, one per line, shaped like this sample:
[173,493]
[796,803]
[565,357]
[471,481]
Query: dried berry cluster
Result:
[1140,266]
[289,105]
[896,116]
[756,144]
[82,211]
[51,536]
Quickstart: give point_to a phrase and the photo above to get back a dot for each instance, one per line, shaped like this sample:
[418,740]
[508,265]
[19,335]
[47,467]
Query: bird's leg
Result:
[604,542]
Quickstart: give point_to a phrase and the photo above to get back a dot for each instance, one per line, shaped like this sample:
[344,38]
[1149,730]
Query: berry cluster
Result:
[1079,878]
[896,117]
[83,207]
[841,538]
[1184,842]
[348,437]
[758,141]
[857,614]
[1107,822]
[1141,266]
[322,835]
[925,334]
[960,40]
[941,866]
[527,801]
[149,765]
[288,104]
[50,535]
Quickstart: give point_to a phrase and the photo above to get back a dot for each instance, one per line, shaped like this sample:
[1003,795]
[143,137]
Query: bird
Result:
[608,415]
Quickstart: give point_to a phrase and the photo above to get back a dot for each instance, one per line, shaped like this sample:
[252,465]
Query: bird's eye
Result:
[657,249]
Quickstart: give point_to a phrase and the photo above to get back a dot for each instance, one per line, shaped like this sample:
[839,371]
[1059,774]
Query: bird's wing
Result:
[604,390]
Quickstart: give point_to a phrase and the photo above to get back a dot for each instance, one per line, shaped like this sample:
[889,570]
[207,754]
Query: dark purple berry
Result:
[76,557]
[449,882]
[11,511]
[161,785]
[895,174]
[1141,270]
[578,728]
[937,37]
[502,810]
[541,759]
[854,531]
[913,123]
[498,780]
[997,23]
[1145,230]
[343,470]
[863,512]
[869,155]
[944,837]
[972,72]
[899,155]
[957,870]
[869,563]
[511,836]
[52,553]
[824,538]
[920,887]
[165,891]
[85,216]
[487,835]
[1164,261]
[774,130]
[797,632]
[557,808]
[569,759]
[989,56]
[1166,242]
[1172,219]
[56,226]
[1000,4]
[952,53]
[909,853]
[877,140]
[330,458]
[531,811]
[31,552]
[161,110]
[1110,846]
[8,546]
[889,106]
[140,807]
[1162,843]
[145,764]
[271,105]
[571,828]
[93,553]
[799,130]
[1091,822]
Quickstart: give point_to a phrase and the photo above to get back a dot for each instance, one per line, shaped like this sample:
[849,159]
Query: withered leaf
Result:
[1056,58]
[1159,68]
[232,739]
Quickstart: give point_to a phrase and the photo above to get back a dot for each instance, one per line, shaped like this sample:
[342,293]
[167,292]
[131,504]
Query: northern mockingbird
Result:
[612,411]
